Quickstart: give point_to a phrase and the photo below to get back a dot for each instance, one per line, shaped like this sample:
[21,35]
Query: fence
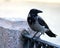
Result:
[30,42]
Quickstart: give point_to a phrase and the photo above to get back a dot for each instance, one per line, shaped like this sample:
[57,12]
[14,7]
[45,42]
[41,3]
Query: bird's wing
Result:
[42,22]
[49,33]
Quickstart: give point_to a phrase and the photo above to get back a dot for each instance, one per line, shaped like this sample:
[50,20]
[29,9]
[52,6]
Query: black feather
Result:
[50,33]
[30,20]
[42,22]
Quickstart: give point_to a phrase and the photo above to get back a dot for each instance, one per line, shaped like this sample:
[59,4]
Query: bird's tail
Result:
[50,33]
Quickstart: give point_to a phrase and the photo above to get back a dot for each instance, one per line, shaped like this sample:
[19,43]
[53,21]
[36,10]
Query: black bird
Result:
[37,24]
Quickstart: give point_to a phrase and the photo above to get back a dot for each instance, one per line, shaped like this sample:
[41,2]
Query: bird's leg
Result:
[39,35]
[34,34]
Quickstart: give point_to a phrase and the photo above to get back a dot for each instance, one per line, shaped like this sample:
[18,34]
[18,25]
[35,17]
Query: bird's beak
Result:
[39,11]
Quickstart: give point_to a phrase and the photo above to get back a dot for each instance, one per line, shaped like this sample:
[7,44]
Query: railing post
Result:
[37,45]
[31,44]
[50,46]
[28,44]
[25,43]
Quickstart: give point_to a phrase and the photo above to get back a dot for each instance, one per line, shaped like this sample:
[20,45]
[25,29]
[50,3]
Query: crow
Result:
[37,24]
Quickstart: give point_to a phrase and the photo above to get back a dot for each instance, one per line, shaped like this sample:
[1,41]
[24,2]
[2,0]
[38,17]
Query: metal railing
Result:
[29,42]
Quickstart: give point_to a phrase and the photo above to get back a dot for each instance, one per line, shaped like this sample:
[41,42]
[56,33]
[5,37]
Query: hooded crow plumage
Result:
[37,24]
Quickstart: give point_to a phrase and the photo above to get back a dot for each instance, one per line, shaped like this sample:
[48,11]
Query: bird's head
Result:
[33,14]
[35,11]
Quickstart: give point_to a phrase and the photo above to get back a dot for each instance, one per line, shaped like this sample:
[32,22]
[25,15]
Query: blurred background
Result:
[16,10]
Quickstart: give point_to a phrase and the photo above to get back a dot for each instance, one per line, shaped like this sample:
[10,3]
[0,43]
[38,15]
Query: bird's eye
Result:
[34,16]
